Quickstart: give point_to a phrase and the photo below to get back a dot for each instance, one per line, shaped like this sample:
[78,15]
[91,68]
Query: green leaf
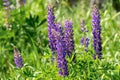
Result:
[6,34]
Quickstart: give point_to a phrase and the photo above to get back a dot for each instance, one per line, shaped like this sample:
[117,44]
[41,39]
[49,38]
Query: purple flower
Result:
[51,25]
[69,41]
[83,29]
[6,3]
[17,58]
[96,30]
[84,41]
[61,53]
[24,1]
[20,3]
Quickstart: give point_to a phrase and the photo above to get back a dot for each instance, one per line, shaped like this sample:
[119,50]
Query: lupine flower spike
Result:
[17,58]
[84,40]
[69,37]
[83,28]
[20,3]
[96,30]
[61,53]
[51,25]
[6,5]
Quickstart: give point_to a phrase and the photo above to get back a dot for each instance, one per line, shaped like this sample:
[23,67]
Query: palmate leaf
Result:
[42,22]
[33,20]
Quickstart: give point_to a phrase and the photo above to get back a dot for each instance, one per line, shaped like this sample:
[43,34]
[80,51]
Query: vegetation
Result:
[29,33]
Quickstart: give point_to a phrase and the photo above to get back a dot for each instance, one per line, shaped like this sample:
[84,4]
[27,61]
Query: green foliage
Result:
[29,33]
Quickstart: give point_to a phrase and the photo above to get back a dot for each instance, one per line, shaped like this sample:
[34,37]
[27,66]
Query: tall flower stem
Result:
[20,3]
[61,53]
[6,5]
[96,30]
[69,41]
[84,40]
[51,25]
[17,58]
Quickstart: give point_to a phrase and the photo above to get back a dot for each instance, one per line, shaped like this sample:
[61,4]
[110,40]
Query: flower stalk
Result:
[84,40]
[17,58]
[51,25]
[6,5]
[96,30]
[69,41]
[61,53]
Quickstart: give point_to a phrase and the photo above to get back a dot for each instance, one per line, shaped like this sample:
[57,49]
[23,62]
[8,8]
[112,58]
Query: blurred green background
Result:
[28,31]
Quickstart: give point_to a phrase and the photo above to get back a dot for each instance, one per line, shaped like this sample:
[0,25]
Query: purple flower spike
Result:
[85,43]
[17,58]
[61,53]
[20,3]
[6,3]
[96,30]
[69,37]
[83,29]
[51,25]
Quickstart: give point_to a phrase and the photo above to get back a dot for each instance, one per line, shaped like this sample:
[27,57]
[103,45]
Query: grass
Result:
[32,41]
